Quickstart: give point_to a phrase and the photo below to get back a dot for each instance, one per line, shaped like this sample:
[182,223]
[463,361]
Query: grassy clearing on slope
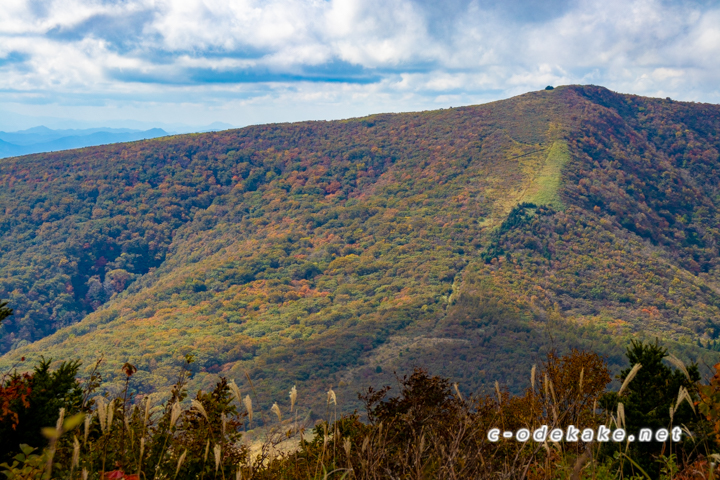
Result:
[546,185]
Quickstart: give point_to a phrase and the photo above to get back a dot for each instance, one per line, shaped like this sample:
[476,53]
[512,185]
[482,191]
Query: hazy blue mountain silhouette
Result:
[43,139]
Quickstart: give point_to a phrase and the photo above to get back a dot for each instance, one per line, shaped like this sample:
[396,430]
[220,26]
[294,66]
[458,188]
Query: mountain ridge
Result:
[296,251]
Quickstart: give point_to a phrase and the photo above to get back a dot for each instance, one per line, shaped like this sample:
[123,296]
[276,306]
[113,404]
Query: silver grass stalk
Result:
[547,387]
[238,474]
[102,413]
[293,397]
[331,398]
[629,377]
[545,445]
[60,420]
[680,397]
[457,391]
[76,454]
[217,450]
[276,410]
[683,394]
[223,419]
[552,392]
[180,462]
[147,411]
[199,407]
[672,413]
[532,376]
[582,374]
[127,422]
[248,406]
[689,400]
[88,421]
[207,450]
[84,474]
[347,445]
[236,391]
[175,413]
[621,415]
[678,364]
[142,448]
[110,414]
[497,390]
[594,406]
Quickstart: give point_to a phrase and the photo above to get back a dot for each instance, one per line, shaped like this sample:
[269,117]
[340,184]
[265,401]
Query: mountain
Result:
[467,240]
[43,139]
[43,134]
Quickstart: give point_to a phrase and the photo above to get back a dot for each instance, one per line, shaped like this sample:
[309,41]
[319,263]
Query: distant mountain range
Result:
[42,139]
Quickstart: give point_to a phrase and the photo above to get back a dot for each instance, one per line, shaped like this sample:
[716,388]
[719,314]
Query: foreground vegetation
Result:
[422,429]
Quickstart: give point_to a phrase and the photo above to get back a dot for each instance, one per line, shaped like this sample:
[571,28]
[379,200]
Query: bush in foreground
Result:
[428,429]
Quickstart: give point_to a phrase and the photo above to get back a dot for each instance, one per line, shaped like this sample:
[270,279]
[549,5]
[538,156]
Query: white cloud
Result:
[158,54]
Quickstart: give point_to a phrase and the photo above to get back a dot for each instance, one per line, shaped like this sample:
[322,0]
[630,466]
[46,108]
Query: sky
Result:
[145,63]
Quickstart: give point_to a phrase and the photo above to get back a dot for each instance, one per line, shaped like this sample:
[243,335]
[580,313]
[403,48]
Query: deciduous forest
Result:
[341,255]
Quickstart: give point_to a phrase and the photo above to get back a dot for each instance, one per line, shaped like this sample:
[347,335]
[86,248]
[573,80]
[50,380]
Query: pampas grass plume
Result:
[102,413]
[248,406]
[532,376]
[76,454]
[276,410]
[683,394]
[331,398]
[110,414]
[180,462]
[175,413]
[88,421]
[199,407]
[146,418]
[60,420]
[457,391]
[217,450]
[679,365]
[629,378]
[236,391]
[293,397]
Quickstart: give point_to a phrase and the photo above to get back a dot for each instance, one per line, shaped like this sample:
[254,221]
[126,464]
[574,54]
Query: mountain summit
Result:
[328,253]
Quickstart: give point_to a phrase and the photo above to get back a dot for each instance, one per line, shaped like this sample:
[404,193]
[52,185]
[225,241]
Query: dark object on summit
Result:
[549,87]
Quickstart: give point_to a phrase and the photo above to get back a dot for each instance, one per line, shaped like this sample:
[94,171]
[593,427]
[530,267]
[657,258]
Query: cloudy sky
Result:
[111,62]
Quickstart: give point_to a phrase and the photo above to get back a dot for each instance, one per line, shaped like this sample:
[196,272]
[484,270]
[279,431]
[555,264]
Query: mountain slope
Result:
[329,253]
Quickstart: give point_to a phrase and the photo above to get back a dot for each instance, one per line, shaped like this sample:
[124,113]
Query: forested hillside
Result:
[468,240]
